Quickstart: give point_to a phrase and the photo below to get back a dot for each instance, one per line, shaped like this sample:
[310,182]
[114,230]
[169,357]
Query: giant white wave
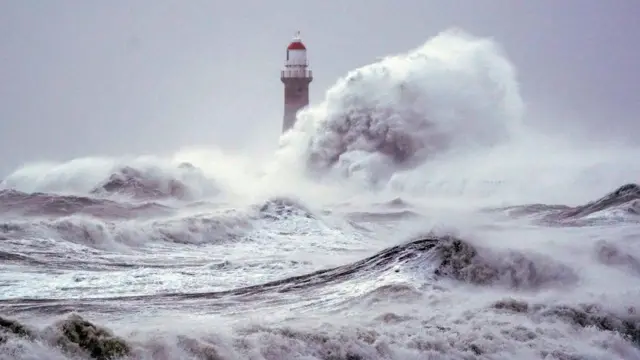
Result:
[454,93]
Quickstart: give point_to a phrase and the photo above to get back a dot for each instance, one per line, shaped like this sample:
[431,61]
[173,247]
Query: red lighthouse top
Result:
[296,44]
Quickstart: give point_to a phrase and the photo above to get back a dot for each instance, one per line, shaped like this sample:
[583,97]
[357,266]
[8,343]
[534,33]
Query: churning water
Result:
[410,215]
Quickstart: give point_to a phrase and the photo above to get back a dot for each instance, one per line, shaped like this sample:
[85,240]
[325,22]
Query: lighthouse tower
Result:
[296,78]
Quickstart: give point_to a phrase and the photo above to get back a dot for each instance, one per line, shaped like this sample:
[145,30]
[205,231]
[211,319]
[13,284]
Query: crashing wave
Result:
[43,204]
[627,195]
[146,185]
[280,208]
[72,336]
[582,315]
[105,224]
[138,179]
[76,337]
[107,235]
[447,256]
[452,93]
[625,200]
[464,262]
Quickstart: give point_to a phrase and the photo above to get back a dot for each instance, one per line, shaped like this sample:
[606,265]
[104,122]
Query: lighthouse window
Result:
[300,89]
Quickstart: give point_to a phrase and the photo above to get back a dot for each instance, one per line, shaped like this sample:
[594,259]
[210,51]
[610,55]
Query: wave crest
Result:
[283,208]
[464,262]
[622,203]
[41,204]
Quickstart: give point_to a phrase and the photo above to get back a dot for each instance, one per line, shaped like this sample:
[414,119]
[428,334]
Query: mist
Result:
[151,77]
[478,160]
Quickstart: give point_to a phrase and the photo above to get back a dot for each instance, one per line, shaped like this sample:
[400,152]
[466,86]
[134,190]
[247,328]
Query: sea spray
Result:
[453,93]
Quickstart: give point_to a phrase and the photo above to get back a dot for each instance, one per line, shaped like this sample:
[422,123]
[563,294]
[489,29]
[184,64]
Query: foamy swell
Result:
[57,220]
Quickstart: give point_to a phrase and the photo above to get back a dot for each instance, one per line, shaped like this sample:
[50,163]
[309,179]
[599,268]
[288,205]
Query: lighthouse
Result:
[296,78]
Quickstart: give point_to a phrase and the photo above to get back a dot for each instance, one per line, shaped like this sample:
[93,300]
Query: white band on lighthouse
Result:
[296,60]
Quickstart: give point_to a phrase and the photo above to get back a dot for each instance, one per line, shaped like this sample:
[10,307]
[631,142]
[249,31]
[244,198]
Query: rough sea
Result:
[411,214]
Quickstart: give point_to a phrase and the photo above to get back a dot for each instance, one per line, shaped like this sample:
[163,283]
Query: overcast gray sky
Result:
[80,78]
